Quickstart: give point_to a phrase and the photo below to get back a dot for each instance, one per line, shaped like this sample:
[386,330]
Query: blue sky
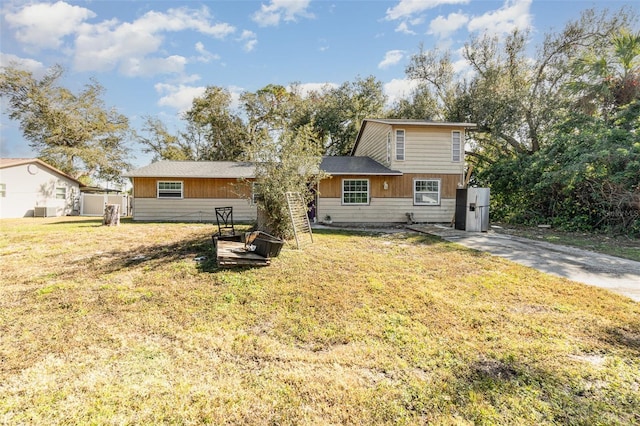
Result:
[153,57]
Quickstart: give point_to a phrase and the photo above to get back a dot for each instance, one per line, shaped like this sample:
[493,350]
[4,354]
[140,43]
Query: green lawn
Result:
[120,325]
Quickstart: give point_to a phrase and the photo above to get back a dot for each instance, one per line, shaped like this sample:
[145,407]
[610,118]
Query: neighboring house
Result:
[396,168]
[187,191]
[30,187]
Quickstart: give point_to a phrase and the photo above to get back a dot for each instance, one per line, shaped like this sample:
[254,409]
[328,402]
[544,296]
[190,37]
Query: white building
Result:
[30,187]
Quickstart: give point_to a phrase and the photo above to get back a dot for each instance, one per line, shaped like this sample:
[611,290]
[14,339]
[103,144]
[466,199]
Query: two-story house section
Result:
[417,167]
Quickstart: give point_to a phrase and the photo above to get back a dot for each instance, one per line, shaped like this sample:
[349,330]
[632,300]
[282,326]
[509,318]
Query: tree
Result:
[421,104]
[605,81]
[213,132]
[288,164]
[75,133]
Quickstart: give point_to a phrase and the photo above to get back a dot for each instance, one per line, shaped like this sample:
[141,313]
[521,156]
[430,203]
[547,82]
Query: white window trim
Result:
[63,192]
[428,180]
[461,151]
[170,181]
[404,144]
[254,185]
[356,204]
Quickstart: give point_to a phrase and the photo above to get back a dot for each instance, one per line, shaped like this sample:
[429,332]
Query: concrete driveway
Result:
[616,274]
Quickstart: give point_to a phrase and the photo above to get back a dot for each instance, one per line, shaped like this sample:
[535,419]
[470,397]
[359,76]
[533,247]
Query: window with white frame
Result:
[400,145]
[3,189]
[389,148]
[170,189]
[456,146]
[426,192]
[61,192]
[355,191]
[255,193]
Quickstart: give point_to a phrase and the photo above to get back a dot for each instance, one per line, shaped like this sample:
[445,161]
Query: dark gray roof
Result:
[195,169]
[347,165]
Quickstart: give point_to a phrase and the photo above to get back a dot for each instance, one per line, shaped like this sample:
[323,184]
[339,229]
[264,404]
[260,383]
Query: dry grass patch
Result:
[121,325]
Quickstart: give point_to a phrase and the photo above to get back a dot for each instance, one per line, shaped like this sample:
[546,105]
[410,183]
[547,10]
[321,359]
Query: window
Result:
[426,192]
[255,193]
[3,189]
[456,146]
[389,148]
[61,193]
[355,191]
[400,145]
[169,189]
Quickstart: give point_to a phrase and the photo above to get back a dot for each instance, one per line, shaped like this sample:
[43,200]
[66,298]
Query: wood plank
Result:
[232,253]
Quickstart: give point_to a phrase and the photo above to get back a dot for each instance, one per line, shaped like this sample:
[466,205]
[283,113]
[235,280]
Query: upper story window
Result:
[426,192]
[170,189]
[61,193]
[389,148]
[3,189]
[400,145]
[456,146]
[355,191]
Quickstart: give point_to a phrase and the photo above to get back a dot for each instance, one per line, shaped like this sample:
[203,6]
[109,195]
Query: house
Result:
[413,169]
[30,187]
[397,169]
[187,191]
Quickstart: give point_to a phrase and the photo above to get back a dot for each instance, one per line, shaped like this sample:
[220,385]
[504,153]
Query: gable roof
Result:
[13,162]
[348,165]
[195,169]
[408,122]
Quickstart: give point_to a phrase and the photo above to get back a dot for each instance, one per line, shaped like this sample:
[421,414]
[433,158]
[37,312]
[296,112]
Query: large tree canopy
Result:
[558,136]
[73,132]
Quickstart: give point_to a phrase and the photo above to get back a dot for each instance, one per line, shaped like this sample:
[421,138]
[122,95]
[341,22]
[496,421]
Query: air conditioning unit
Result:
[44,211]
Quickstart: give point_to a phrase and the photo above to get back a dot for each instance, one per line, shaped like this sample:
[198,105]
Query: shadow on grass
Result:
[199,250]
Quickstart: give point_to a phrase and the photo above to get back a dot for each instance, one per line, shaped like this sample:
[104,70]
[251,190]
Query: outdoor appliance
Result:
[472,209]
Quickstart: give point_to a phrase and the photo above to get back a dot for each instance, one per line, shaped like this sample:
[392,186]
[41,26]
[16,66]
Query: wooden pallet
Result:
[233,253]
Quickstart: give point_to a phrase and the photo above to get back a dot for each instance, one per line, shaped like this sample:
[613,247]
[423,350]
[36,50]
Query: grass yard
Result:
[121,325]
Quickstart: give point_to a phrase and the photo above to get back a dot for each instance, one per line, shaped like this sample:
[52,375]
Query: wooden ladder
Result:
[299,219]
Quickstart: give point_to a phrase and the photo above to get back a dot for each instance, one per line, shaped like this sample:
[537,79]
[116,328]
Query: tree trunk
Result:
[111,215]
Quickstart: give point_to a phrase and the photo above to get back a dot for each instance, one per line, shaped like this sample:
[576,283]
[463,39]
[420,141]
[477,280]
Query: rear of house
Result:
[398,170]
[30,187]
[189,191]
[416,167]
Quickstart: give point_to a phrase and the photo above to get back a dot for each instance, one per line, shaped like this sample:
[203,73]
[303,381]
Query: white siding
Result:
[374,142]
[383,210]
[191,209]
[427,150]
[31,185]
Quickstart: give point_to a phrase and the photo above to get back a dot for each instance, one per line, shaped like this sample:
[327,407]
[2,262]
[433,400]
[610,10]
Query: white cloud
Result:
[444,27]
[403,27]
[407,8]
[43,25]
[271,14]
[250,40]
[513,14]
[398,89]
[205,55]
[392,57]
[133,67]
[179,97]
[305,88]
[35,67]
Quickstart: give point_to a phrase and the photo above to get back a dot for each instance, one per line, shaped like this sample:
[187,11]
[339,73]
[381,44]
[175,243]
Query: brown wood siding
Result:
[398,186]
[195,187]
